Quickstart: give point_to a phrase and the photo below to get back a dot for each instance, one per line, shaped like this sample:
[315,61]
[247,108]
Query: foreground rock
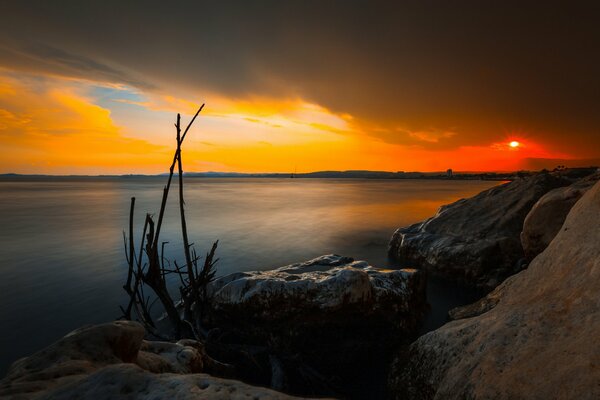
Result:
[539,341]
[547,215]
[327,284]
[112,361]
[475,241]
[327,325]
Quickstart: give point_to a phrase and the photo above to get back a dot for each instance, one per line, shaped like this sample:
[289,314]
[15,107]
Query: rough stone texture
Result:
[325,284]
[128,381]
[547,215]
[479,307]
[99,362]
[328,326]
[474,241]
[540,341]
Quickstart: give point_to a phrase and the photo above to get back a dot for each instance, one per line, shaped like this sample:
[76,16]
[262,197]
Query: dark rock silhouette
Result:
[475,241]
[538,338]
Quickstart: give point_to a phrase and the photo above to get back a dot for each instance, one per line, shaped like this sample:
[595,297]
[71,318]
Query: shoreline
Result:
[413,358]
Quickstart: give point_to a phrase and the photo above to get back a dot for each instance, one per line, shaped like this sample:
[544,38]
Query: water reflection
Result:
[61,245]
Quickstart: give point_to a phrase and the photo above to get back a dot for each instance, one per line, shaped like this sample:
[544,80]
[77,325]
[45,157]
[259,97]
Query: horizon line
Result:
[285,173]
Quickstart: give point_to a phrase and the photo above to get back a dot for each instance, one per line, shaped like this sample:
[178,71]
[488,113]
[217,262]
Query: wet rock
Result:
[325,284]
[540,341]
[547,215]
[479,307]
[475,241]
[328,325]
[113,361]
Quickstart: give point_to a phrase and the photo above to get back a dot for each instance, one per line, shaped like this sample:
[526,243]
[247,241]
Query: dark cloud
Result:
[35,56]
[480,69]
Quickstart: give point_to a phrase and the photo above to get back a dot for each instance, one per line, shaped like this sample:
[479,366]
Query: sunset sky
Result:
[94,88]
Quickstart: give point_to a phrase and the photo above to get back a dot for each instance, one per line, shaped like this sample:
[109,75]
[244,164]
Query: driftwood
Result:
[263,364]
[153,272]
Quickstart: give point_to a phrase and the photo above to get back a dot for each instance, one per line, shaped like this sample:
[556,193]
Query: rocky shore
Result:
[337,327]
[113,360]
[321,327]
[534,337]
[325,326]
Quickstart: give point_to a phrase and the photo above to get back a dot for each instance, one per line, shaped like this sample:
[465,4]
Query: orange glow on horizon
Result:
[59,129]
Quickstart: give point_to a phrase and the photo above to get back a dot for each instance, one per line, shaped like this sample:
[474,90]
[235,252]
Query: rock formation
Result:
[112,360]
[538,338]
[325,284]
[324,326]
[328,324]
[547,215]
[474,241]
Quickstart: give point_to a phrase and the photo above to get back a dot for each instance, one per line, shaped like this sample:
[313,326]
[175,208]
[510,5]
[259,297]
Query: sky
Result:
[94,87]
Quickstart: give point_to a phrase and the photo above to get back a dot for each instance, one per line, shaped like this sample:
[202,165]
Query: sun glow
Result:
[514,144]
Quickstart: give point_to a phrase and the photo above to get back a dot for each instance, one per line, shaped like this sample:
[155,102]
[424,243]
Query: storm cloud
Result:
[464,73]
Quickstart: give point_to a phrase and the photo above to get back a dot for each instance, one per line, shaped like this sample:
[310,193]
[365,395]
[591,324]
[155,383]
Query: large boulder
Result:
[327,284]
[547,215]
[328,325]
[539,340]
[113,360]
[474,241]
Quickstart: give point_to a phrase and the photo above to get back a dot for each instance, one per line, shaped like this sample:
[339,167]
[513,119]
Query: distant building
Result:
[449,173]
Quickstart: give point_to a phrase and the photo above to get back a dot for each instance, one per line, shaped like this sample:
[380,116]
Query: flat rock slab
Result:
[328,284]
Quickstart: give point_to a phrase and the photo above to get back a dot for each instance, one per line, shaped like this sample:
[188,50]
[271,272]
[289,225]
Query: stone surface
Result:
[328,326]
[540,341]
[547,215]
[479,307]
[474,241]
[128,381]
[328,283]
[99,362]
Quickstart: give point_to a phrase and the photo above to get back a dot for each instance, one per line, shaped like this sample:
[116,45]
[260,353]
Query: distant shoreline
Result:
[17,178]
[314,175]
[449,175]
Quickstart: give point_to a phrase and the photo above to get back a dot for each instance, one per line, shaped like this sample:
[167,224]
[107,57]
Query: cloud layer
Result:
[425,76]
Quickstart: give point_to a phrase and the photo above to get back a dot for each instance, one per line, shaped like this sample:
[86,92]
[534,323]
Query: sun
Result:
[514,144]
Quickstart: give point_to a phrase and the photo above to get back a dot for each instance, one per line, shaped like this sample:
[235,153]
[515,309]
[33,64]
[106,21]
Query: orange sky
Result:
[54,125]
[88,90]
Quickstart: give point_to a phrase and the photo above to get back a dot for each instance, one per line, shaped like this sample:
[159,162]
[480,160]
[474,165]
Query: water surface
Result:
[62,261]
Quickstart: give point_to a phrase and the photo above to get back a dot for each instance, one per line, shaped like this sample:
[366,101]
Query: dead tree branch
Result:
[154,273]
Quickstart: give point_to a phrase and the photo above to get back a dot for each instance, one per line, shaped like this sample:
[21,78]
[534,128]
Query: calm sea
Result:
[62,261]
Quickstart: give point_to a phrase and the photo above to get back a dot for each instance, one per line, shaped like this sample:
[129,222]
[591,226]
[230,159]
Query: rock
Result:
[479,307]
[540,341]
[329,324]
[99,362]
[132,382]
[474,241]
[76,355]
[325,284]
[547,215]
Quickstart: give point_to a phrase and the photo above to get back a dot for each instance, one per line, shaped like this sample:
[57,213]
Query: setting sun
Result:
[514,144]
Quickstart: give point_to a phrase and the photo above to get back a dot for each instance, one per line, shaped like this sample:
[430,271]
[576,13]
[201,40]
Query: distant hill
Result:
[352,174]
